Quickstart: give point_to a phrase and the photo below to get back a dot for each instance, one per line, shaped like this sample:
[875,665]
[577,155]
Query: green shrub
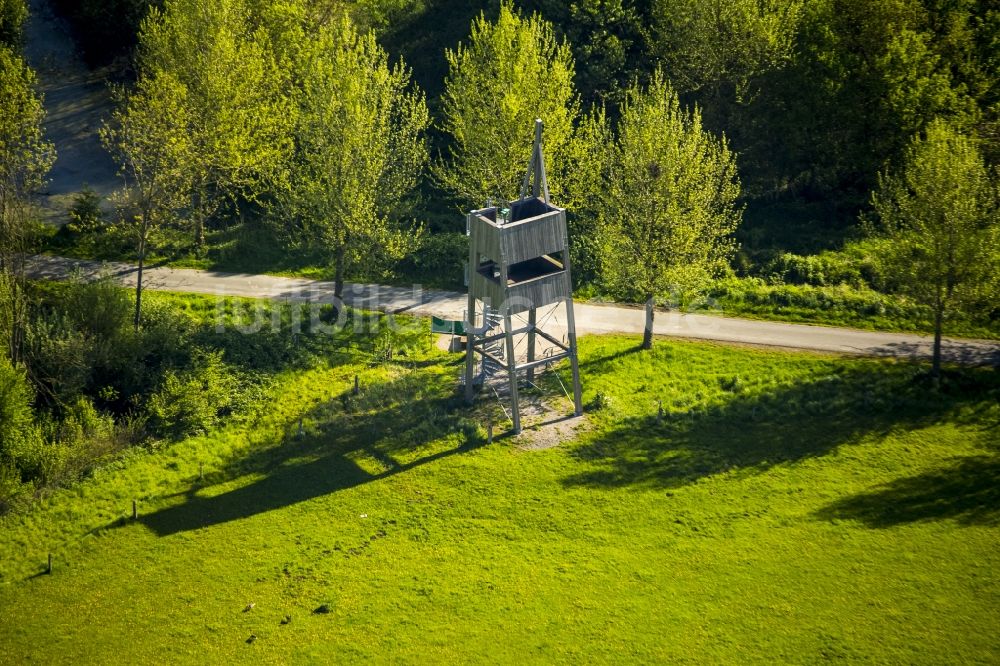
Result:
[13,491]
[80,440]
[826,269]
[100,308]
[840,305]
[58,356]
[86,216]
[18,430]
[190,401]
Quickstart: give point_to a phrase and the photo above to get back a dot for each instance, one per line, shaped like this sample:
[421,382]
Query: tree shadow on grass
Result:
[756,430]
[968,492]
[391,425]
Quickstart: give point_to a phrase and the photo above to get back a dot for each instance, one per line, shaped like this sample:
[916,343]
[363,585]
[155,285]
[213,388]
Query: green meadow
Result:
[786,507]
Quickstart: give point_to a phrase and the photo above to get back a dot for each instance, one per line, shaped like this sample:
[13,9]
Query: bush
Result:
[826,269]
[18,431]
[841,304]
[86,216]
[58,356]
[101,308]
[77,442]
[191,400]
[13,490]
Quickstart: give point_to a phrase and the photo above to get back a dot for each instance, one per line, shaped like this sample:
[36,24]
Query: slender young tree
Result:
[509,73]
[149,137]
[360,150]
[25,158]
[939,217]
[670,203]
[237,118]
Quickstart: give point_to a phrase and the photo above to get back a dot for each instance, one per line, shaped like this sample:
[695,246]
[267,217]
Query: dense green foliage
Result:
[788,508]
[814,99]
[235,114]
[25,155]
[12,16]
[25,158]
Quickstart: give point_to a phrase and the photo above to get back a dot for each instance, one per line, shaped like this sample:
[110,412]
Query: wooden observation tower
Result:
[518,262]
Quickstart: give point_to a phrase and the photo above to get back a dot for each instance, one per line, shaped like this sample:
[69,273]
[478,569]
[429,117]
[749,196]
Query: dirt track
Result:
[77,101]
[590,318]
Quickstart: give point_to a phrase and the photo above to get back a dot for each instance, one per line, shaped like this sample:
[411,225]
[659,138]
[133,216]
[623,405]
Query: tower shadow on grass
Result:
[756,430]
[323,462]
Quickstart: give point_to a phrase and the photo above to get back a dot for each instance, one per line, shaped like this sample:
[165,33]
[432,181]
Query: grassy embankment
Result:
[789,507]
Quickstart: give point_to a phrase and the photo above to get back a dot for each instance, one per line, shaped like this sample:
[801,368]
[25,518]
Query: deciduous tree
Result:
[723,45]
[670,203]
[510,72]
[237,118]
[149,137]
[25,158]
[939,216]
[360,149]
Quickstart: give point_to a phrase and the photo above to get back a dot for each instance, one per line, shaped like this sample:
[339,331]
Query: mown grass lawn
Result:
[788,507]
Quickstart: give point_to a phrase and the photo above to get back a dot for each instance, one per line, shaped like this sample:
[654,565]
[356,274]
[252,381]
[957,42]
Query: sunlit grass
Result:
[785,508]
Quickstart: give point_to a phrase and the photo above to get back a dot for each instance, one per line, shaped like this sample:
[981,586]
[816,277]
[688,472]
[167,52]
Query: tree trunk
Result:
[936,362]
[199,222]
[647,334]
[199,234]
[338,278]
[138,277]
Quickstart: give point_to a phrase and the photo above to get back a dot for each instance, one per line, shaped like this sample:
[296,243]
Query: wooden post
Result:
[357,386]
[48,569]
[470,320]
[135,510]
[532,318]
[515,407]
[574,362]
